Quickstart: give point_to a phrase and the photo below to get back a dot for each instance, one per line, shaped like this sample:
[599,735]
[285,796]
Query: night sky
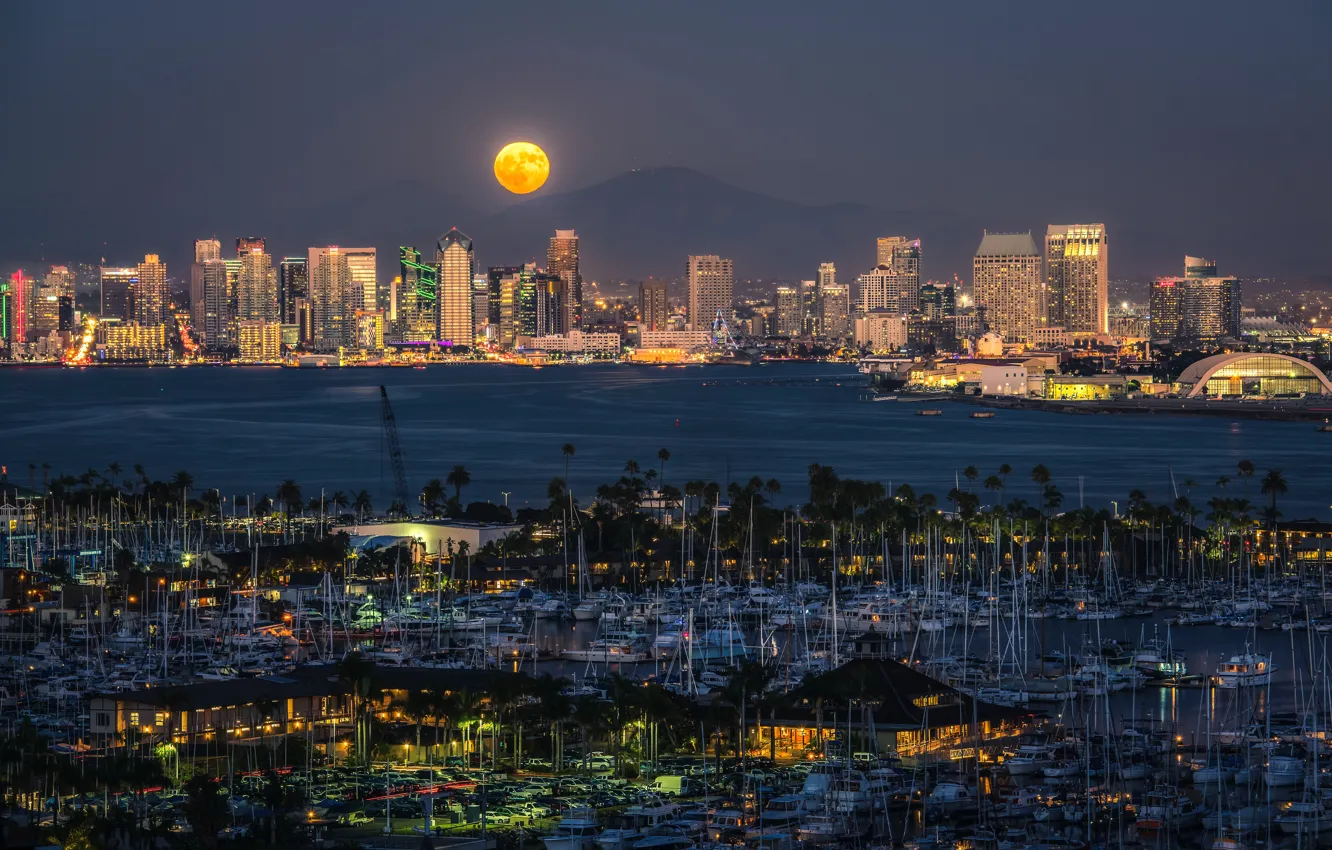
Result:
[137,123]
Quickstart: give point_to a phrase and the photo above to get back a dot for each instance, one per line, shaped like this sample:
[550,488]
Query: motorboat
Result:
[577,830]
[1248,670]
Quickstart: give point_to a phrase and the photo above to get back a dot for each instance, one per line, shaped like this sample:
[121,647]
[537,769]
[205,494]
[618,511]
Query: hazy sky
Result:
[123,118]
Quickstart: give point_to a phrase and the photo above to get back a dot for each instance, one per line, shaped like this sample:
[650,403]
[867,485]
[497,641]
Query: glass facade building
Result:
[1252,374]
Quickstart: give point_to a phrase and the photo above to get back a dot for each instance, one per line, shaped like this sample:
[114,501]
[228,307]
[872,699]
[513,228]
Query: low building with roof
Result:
[1247,373]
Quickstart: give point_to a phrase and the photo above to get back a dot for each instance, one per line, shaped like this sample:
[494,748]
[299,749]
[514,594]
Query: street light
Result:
[506,494]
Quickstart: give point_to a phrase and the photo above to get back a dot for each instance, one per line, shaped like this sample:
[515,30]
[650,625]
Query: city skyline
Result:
[1143,168]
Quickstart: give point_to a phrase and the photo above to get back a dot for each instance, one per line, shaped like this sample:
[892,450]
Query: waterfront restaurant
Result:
[882,706]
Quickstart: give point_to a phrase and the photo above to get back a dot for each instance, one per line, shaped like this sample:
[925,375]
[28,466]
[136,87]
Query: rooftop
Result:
[1007,245]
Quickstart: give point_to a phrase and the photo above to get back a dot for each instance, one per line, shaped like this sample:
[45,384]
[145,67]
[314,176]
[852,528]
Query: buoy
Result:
[677,423]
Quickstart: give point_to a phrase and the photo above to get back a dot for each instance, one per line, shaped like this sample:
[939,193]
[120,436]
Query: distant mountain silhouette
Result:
[645,222]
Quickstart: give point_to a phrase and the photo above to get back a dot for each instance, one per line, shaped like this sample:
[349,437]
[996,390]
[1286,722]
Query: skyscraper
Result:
[889,287]
[257,289]
[1077,282]
[418,316]
[152,301]
[331,325]
[62,280]
[207,249]
[1201,306]
[836,310]
[246,245]
[495,276]
[562,262]
[827,276]
[653,309]
[790,312]
[363,293]
[218,321]
[116,285]
[23,291]
[937,300]
[1006,278]
[457,263]
[711,286]
[293,283]
[902,254]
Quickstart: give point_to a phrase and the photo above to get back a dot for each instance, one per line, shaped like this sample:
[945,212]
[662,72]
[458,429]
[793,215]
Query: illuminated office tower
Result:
[902,254]
[1006,279]
[495,276]
[562,262]
[418,317]
[363,291]
[115,288]
[835,305]
[937,300]
[205,251]
[257,289]
[331,323]
[790,314]
[62,280]
[480,304]
[711,288]
[827,276]
[247,245]
[1165,304]
[653,309]
[151,300]
[44,316]
[889,287]
[22,293]
[456,261]
[216,326]
[6,313]
[293,284]
[259,341]
[1197,267]
[1077,282]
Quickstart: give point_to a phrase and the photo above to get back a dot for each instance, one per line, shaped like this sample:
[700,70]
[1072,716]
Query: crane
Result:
[395,452]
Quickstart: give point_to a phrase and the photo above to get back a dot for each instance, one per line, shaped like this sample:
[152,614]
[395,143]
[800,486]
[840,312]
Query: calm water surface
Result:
[245,430]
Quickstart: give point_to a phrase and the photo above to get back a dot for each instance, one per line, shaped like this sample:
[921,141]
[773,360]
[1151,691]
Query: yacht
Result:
[577,830]
[606,651]
[1166,808]
[1249,670]
[1283,772]
[1029,759]
[784,812]
[1296,816]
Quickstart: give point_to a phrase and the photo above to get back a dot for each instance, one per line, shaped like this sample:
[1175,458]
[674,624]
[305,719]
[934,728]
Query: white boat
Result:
[1245,671]
[1029,759]
[577,830]
[784,812]
[607,652]
[1302,816]
[1283,772]
[823,829]
[950,796]
[589,609]
[1166,808]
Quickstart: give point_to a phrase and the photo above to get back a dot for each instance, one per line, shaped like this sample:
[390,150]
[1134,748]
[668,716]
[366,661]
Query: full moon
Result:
[521,167]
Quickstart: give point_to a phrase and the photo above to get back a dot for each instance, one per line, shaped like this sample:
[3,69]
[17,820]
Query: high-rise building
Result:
[418,317]
[480,305]
[247,245]
[562,262]
[369,330]
[331,322]
[207,249]
[836,310]
[937,300]
[1006,279]
[1199,267]
[902,255]
[62,280]
[259,341]
[6,314]
[1077,282]
[495,276]
[1201,306]
[363,291]
[257,289]
[116,286]
[44,317]
[22,293]
[1165,305]
[711,288]
[456,260]
[216,327]
[827,276]
[653,309]
[293,284]
[790,313]
[889,287]
[152,301]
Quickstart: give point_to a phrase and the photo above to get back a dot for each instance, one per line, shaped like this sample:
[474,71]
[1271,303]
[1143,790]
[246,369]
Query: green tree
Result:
[458,478]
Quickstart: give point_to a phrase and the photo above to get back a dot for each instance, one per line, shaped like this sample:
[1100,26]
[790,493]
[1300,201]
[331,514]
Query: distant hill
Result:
[645,222]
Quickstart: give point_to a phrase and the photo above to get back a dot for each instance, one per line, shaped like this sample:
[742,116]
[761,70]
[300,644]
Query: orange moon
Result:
[521,167]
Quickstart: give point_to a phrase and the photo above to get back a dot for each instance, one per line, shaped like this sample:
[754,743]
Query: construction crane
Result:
[395,453]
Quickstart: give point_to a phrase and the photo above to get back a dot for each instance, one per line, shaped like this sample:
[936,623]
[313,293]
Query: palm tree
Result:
[568,451]
[971,473]
[182,482]
[663,455]
[362,504]
[1274,484]
[356,671]
[1040,475]
[631,467]
[458,478]
[432,494]
[289,494]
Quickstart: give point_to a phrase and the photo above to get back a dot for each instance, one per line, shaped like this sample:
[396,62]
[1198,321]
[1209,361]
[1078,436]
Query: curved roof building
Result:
[1252,373]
